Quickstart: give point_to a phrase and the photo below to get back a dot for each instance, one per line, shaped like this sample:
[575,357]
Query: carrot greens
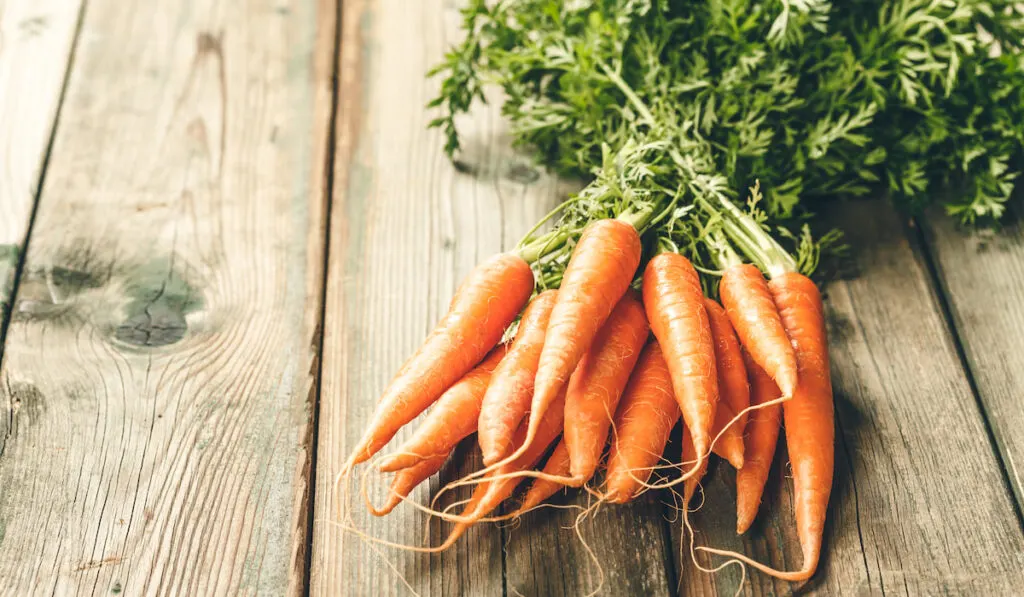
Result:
[660,100]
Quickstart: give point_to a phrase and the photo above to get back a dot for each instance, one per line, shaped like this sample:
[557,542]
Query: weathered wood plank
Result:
[982,277]
[160,364]
[36,38]
[919,506]
[631,543]
[406,228]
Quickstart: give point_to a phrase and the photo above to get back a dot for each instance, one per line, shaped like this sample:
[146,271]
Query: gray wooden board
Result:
[407,226]
[36,37]
[404,230]
[919,505]
[982,275]
[159,369]
[631,543]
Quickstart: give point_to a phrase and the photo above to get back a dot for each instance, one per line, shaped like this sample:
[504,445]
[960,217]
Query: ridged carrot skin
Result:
[486,303]
[733,388]
[808,416]
[599,272]
[645,418]
[598,382]
[762,436]
[452,418]
[756,319]
[507,399]
[408,479]
[489,494]
[542,489]
[675,308]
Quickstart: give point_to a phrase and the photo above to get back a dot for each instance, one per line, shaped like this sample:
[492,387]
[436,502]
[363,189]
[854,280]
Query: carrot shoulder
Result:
[756,319]
[449,421]
[644,420]
[762,436]
[507,399]
[597,384]
[486,303]
[599,272]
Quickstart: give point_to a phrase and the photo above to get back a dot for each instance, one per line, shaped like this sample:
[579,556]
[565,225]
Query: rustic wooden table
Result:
[223,224]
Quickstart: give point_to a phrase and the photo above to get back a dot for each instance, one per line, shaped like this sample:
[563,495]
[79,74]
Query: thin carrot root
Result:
[688,529]
[791,576]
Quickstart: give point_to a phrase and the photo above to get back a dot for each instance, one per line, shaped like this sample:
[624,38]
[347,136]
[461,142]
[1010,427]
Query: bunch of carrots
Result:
[625,346]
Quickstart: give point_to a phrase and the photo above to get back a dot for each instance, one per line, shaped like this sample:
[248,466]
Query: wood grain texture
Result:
[919,506]
[36,37]
[631,543]
[406,227]
[158,378]
[981,273]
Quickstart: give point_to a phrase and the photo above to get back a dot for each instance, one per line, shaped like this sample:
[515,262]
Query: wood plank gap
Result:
[942,294]
[328,181]
[5,313]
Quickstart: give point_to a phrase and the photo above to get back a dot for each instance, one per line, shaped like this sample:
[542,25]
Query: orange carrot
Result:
[407,479]
[808,420]
[492,491]
[557,466]
[507,399]
[762,435]
[808,417]
[450,420]
[689,455]
[598,274]
[756,319]
[596,386]
[486,303]
[645,418]
[730,445]
[675,307]
[734,392]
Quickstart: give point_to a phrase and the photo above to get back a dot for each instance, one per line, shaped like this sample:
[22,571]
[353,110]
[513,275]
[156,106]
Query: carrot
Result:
[734,391]
[689,454]
[762,436]
[597,384]
[599,272]
[644,420]
[407,479]
[499,483]
[808,419]
[486,303]
[558,465]
[675,307]
[507,399]
[450,420]
[755,317]
[730,444]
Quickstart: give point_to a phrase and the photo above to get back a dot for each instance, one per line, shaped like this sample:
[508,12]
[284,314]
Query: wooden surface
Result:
[36,37]
[981,274]
[172,420]
[159,372]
